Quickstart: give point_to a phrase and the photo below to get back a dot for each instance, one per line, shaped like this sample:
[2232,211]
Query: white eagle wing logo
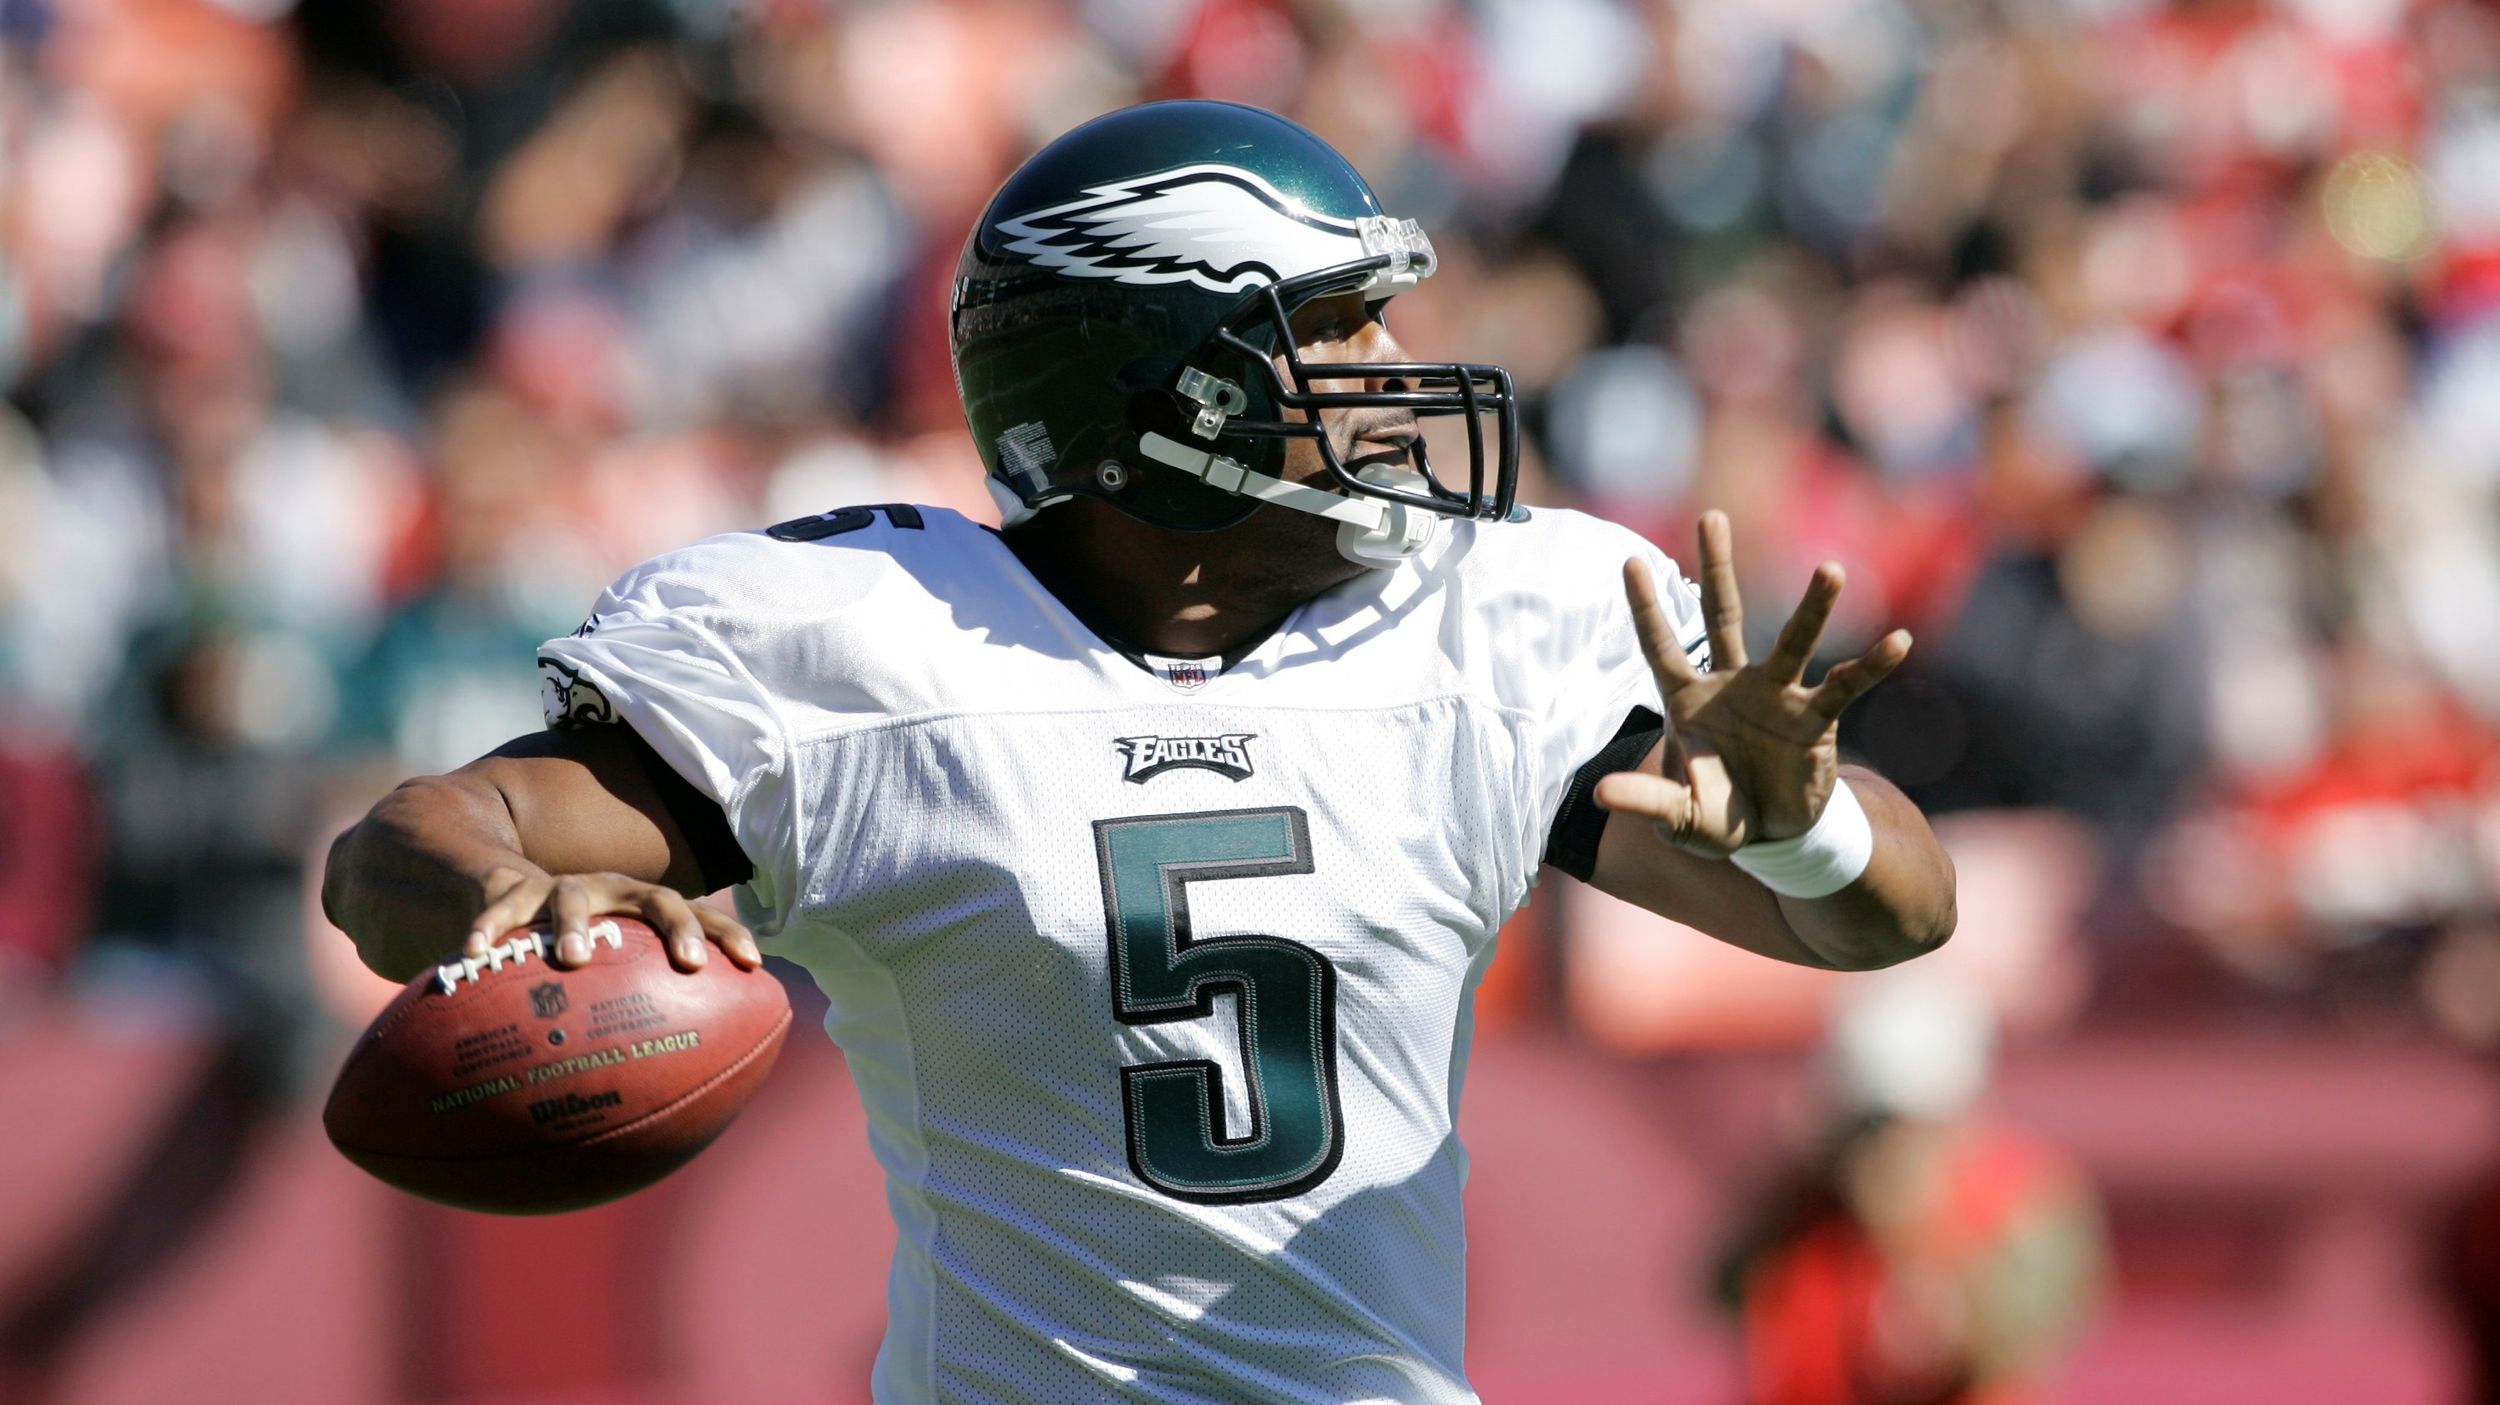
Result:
[1221,228]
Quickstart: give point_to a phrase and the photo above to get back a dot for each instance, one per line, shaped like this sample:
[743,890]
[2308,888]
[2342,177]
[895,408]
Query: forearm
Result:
[406,881]
[1901,906]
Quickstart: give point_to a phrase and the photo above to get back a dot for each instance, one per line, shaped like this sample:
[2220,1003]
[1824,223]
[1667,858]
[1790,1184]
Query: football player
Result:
[1150,850]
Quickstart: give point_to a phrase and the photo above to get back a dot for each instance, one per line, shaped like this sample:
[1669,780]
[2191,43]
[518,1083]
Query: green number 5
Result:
[1285,992]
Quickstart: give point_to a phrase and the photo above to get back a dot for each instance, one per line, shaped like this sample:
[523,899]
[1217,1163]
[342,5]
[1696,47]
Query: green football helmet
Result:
[1122,329]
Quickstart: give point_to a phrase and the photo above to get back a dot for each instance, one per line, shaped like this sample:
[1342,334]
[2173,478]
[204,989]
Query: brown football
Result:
[509,1086]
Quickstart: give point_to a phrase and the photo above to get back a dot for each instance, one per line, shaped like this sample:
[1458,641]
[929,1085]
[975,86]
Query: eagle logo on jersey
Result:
[1148,757]
[1218,227]
[569,700]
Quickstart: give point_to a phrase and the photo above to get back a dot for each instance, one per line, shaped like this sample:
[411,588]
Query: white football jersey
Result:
[1155,975]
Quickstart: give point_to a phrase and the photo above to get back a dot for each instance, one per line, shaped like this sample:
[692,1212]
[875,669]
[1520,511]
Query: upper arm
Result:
[697,656]
[587,800]
[1572,661]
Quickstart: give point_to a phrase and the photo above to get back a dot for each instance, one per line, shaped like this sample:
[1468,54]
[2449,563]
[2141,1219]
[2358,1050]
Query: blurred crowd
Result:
[2143,357]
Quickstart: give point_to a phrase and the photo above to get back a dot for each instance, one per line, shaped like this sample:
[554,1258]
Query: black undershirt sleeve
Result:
[1579,824]
[699,819]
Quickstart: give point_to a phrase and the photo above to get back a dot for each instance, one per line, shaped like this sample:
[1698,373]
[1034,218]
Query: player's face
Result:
[1346,330]
[1293,554]
[1277,554]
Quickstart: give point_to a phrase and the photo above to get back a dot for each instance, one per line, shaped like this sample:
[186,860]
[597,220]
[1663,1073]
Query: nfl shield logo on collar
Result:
[1188,675]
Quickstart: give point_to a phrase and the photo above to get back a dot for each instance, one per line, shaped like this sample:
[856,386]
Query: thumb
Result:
[1668,805]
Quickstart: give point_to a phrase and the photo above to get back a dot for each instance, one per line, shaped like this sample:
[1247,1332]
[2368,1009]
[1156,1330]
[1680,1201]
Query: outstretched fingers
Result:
[1722,609]
[1847,682]
[1804,630]
[1655,628]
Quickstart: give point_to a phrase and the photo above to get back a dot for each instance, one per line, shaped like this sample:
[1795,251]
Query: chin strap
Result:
[1013,510]
[1370,532]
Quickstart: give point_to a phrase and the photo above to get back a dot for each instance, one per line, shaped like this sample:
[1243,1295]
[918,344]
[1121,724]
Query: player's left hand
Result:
[1752,753]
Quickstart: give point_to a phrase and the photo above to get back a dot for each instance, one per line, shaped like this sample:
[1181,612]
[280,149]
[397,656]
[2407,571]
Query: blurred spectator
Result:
[1923,1254]
[450,673]
[208,778]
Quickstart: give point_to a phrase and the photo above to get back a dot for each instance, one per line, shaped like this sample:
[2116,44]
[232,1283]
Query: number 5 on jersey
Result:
[1285,993]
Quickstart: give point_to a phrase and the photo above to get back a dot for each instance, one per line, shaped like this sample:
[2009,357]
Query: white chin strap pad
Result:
[1012,509]
[1406,532]
[1370,532]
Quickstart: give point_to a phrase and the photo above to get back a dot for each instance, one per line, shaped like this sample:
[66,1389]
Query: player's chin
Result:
[1293,552]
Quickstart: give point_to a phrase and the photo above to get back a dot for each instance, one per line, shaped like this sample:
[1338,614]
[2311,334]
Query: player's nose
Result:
[1376,343]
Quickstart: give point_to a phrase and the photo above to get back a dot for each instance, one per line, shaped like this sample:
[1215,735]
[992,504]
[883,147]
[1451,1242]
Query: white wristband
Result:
[1821,861]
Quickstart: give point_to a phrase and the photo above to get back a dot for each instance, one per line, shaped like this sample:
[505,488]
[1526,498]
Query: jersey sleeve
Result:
[1600,697]
[657,655]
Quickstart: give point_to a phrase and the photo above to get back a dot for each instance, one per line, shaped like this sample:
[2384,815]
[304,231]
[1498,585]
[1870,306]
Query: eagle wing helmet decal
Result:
[1218,227]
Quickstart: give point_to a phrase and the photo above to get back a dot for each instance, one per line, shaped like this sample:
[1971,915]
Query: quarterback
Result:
[1150,850]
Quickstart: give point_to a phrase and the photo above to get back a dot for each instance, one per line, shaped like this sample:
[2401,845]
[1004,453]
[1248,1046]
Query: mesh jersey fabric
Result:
[988,836]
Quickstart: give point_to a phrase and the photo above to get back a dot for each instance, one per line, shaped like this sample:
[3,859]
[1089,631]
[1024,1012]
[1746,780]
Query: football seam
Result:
[397,1014]
[728,1071]
[770,1038]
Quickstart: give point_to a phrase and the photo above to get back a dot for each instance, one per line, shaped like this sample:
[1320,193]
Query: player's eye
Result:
[1333,319]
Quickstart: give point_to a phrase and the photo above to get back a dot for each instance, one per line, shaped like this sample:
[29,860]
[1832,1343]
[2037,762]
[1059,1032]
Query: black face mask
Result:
[1425,389]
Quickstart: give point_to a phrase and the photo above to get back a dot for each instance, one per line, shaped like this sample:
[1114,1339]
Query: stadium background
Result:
[2143,357]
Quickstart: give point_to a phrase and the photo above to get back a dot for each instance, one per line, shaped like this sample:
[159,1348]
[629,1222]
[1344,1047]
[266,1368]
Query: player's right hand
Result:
[517,897]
